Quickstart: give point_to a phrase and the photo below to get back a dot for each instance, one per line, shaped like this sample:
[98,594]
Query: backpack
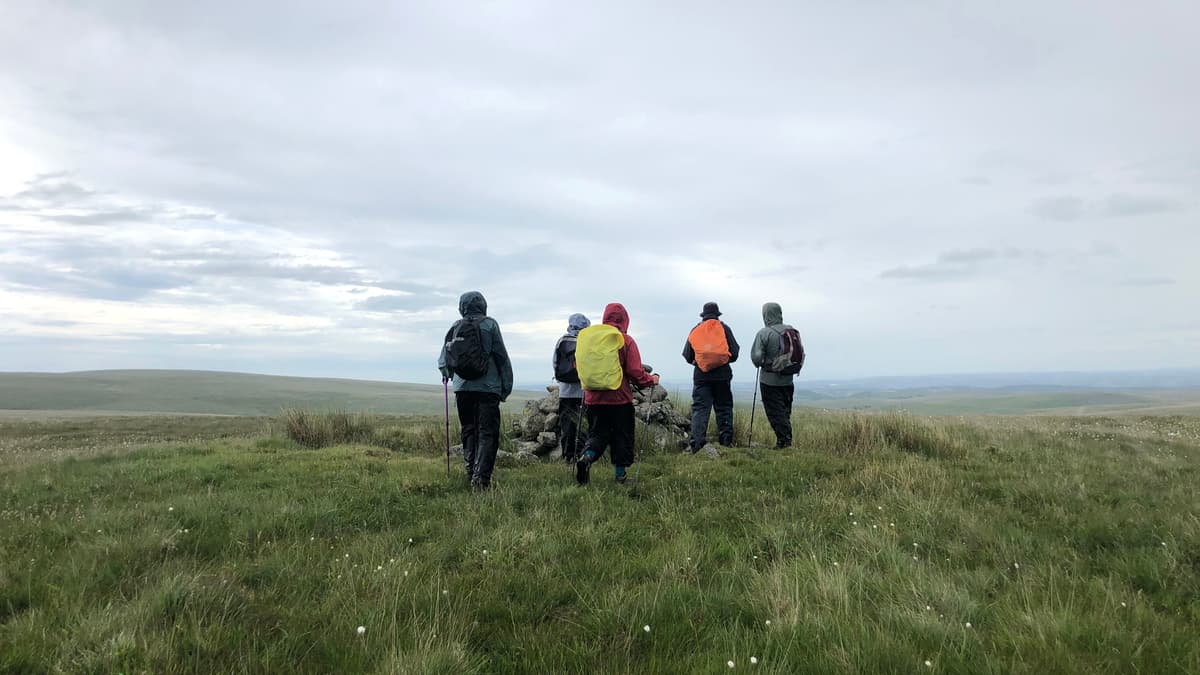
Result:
[465,356]
[564,360]
[598,358]
[791,353]
[709,343]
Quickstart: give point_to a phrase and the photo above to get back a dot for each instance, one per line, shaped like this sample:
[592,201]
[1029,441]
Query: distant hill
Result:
[218,393]
[206,392]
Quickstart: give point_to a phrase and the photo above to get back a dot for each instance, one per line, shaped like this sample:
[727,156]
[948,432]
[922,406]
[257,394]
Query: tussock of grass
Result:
[323,429]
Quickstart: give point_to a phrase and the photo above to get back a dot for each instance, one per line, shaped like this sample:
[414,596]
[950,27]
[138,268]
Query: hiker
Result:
[570,391]
[711,347]
[474,355]
[609,361]
[779,353]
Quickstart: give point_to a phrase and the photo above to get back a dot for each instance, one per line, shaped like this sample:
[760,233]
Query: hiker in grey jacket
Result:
[570,393]
[777,388]
[479,399]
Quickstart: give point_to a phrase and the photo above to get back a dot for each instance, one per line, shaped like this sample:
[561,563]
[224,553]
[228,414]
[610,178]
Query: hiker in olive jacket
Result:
[712,390]
[479,399]
[777,388]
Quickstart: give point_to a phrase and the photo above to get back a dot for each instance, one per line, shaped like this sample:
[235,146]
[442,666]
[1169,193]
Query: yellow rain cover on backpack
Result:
[597,359]
[709,343]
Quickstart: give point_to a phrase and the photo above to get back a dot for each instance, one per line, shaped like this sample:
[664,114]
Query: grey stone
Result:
[709,451]
[549,404]
[551,423]
[528,446]
[547,441]
[535,423]
[456,451]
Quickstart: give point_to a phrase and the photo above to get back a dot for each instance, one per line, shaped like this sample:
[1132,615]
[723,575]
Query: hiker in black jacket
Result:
[712,376]
[479,395]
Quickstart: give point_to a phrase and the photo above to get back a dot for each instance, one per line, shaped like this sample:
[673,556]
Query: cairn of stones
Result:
[536,428]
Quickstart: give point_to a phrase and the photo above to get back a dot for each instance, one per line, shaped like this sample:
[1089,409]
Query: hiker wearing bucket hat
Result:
[711,347]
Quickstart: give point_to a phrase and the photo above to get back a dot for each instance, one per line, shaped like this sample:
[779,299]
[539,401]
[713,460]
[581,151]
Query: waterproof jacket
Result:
[576,323]
[721,374]
[631,363]
[768,344]
[499,377]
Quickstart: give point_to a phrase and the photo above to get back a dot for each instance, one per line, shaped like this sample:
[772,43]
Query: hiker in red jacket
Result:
[610,413]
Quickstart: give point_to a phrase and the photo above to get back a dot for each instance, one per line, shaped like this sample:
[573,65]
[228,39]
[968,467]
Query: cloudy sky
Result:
[306,188]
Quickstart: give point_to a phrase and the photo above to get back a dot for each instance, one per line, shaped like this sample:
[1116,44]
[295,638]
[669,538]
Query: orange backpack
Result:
[709,343]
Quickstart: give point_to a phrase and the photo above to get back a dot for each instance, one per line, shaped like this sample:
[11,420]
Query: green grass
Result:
[184,545]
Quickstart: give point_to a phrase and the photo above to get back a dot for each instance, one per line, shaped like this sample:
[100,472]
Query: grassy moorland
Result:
[106,392]
[879,544]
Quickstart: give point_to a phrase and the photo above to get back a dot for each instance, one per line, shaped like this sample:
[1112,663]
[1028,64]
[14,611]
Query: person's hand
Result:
[655,378]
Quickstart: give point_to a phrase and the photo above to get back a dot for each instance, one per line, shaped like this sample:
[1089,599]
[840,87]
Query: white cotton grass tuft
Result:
[754,660]
[361,630]
[968,624]
[172,508]
[729,663]
[768,622]
[646,628]
[928,663]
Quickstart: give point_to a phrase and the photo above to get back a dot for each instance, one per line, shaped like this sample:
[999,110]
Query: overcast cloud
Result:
[306,188]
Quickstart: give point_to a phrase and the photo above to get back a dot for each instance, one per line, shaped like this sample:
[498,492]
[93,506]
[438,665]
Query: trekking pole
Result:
[446,387]
[637,471]
[753,401]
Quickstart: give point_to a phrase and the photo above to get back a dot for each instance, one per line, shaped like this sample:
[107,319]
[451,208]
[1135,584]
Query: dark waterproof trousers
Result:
[777,402]
[479,415]
[705,397]
[611,426]
[570,418]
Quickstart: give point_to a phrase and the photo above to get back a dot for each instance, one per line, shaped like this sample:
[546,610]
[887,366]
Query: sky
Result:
[305,188]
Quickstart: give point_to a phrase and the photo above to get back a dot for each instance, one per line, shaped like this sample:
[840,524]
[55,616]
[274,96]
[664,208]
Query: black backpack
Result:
[564,360]
[465,356]
[791,353]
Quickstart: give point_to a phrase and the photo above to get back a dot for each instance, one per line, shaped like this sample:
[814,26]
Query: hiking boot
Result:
[620,480]
[583,469]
